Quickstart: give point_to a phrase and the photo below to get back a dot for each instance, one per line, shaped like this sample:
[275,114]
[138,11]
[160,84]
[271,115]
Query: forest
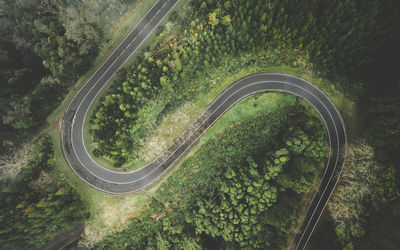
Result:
[218,30]
[352,43]
[37,203]
[45,46]
[250,194]
[246,196]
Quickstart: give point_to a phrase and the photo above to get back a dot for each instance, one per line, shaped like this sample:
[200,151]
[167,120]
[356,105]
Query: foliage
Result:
[45,45]
[20,115]
[238,190]
[383,119]
[365,187]
[381,228]
[37,203]
[355,190]
[11,164]
[171,70]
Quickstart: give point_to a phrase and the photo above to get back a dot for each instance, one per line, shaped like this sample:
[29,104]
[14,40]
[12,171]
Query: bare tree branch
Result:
[11,164]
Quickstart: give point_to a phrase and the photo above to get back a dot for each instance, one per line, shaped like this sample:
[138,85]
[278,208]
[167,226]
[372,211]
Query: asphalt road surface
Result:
[115,182]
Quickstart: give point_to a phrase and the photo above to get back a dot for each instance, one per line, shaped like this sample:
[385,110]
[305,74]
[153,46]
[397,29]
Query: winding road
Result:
[114,182]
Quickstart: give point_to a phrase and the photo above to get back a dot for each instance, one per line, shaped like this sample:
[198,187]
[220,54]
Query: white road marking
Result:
[197,137]
[81,89]
[247,86]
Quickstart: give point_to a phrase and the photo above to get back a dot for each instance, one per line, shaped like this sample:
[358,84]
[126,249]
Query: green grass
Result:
[102,205]
[249,107]
[152,39]
[269,100]
[107,212]
[118,32]
[175,123]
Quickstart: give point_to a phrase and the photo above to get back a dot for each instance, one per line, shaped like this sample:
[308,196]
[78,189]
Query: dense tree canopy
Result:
[45,45]
[215,30]
[241,189]
[37,203]
[339,37]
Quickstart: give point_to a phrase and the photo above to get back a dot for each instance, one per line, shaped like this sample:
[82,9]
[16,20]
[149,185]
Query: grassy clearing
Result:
[175,123]
[117,33]
[111,211]
[249,107]
[169,29]
[269,101]
[274,100]
[107,212]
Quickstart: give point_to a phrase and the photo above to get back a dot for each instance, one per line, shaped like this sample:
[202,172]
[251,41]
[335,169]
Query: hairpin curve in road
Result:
[115,182]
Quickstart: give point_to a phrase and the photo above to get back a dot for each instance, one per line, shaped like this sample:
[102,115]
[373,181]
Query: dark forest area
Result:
[46,45]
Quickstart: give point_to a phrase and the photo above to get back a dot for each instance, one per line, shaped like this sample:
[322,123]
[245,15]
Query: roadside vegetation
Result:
[45,46]
[235,190]
[363,211]
[224,39]
[349,49]
[212,41]
[36,202]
